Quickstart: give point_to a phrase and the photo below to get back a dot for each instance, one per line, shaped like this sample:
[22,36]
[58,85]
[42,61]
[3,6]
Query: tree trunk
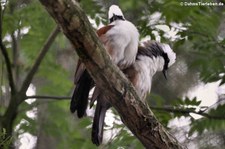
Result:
[9,117]
[135,115]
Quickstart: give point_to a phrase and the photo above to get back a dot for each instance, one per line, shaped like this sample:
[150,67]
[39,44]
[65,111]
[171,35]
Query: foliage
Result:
[4,141]
[209,124]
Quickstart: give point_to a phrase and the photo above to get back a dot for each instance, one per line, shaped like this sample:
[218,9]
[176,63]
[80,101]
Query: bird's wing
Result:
[103,30]
[84,82]
[80,66]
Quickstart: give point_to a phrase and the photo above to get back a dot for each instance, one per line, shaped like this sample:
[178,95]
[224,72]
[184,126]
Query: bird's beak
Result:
[165,74]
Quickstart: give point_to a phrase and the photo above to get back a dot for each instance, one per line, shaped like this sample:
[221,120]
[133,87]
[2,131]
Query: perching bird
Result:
[151,57]
[120,39]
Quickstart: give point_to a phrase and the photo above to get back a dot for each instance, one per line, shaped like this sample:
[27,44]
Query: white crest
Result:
[171,55]
[114,9]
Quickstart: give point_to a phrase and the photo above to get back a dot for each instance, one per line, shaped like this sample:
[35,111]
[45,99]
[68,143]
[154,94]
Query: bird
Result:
[120,39]
[152,56]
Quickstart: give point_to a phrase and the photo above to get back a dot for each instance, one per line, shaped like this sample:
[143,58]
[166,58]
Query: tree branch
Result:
[134,113]
[187,111]
[49,97]
[39,59]
[1,18]
[165,109]
[6,56]
[8,66]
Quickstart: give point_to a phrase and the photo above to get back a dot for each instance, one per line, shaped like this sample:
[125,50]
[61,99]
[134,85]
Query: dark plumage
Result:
[98,123]
[152,48]
[79,99]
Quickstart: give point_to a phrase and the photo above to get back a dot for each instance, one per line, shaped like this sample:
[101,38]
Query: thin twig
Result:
[215,104]
[39,59]
[187,111]
[165,109]
[1,18]
[48,97]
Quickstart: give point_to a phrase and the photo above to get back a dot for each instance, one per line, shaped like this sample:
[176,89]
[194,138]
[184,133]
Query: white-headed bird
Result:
[120,39]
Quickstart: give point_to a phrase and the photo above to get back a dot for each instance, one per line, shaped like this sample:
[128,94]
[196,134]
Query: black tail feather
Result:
[79,99]
[98,123]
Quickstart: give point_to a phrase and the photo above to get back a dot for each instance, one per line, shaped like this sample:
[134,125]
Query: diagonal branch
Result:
[39,59]
[6,56]
[8,67]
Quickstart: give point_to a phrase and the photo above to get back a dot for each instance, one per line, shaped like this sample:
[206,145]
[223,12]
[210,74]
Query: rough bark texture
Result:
[135,115]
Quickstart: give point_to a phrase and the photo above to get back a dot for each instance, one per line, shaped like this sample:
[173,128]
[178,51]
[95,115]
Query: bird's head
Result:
[169,57]
[162,55]
[115,13]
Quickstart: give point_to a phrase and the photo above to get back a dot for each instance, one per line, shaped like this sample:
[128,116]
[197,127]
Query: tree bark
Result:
[135,114]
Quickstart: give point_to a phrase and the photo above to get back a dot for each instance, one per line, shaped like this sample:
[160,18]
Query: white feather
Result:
[146,68]
[114,9]
[123,38]
[144,80]
[171,55]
